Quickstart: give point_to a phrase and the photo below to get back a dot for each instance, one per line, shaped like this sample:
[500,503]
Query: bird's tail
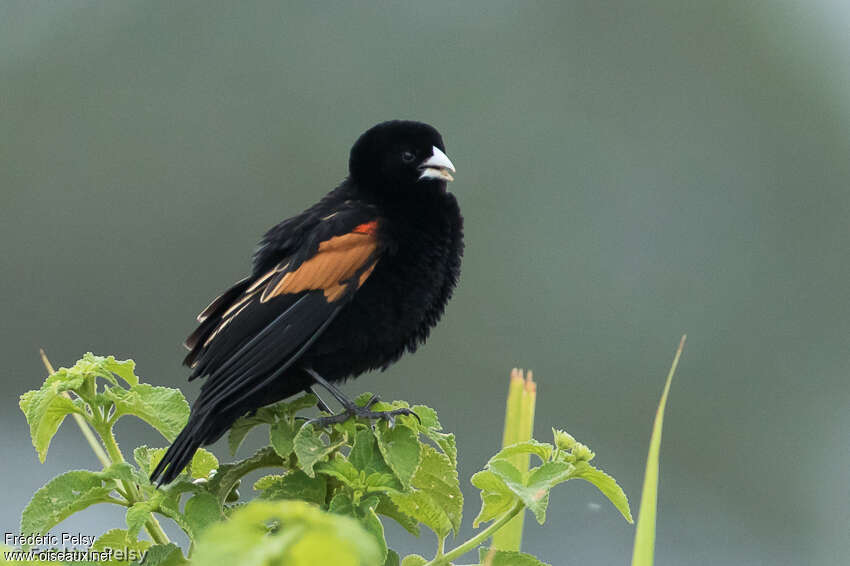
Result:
[197,432]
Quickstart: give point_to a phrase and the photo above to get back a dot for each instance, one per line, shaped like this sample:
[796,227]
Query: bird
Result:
[346,286]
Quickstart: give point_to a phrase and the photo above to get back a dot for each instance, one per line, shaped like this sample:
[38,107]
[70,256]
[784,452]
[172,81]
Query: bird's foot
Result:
[362,412]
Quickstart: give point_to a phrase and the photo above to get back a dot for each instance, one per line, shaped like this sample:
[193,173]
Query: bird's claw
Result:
[362,413]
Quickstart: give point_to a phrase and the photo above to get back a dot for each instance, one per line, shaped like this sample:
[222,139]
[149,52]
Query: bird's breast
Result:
[396,308]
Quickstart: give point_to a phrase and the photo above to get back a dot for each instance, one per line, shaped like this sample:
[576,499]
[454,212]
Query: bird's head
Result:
[400,156]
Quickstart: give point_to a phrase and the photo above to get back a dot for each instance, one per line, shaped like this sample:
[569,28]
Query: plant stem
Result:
[477,539]
[81,421]
[152,526]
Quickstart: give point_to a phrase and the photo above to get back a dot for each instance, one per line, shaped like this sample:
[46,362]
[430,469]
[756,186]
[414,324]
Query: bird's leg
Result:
[321,404]
[351,409]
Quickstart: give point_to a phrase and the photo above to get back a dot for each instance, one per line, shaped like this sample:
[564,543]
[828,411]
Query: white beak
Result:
[438,166]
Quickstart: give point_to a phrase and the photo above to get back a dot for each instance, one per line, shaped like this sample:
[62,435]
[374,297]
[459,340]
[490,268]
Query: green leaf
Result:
[287,532]
[138,514]
[61,497]
[435,499]
[243,425]
[282,437]
[493,557]
[413,560]
[276,413]
[446,442]
[203,464]
[542,450]
[201,511]
[45,409]
[293,485]
[374,526]
[227,476]
[163,408]
[310,448]
[644,549]
[119,471]
[163,555]
[341,469]
[400,448]
[366,456]
[123,547]
[496,498]
[341,504]
[607,485]
[147,458]
[387,508]
[298,404]
[535,494]
[166,500]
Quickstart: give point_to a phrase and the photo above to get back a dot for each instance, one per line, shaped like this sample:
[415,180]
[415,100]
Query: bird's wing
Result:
[261,326]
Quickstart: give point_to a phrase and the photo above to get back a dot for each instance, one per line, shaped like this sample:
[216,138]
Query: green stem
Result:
[478,539]
[152,526]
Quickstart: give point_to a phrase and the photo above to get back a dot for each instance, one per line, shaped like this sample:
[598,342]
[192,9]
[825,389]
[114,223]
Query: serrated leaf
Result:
[298,404]
[413,560]
[388,508]
[341,504]
[201,511]
[163,408]
[203,464]
[493,557]
[496,498]
[310,448]
[119,471]
[221,483]
[607,485]
[293,485]
[446,442]
[167,500]
[61,497]
[45,409]
[303,535]
[400,448]
[137,515]
[282,411]
[535,495]
[147,458]
[435,499]
[282,437]
[123,547]
[162,555]
[341,469]
[377,481]
[542,450]
[424,509]
[366,456]
[243,425]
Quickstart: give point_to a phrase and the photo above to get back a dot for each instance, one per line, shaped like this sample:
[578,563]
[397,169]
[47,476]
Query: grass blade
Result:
[644,549]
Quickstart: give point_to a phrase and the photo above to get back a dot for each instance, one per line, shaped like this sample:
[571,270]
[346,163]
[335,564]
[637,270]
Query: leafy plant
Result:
[326,498]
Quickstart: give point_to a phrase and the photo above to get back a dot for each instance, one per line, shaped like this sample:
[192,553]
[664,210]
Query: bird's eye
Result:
[407,156]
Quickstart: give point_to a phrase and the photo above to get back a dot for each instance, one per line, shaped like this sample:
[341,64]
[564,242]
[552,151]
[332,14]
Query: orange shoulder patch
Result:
[339,262]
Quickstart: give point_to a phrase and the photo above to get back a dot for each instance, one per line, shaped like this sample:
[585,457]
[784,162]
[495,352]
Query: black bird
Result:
[345,287]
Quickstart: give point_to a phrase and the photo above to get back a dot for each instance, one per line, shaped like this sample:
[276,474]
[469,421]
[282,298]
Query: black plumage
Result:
[345,287]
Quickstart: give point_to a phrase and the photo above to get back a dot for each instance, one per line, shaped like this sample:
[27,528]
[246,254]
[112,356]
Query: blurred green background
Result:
[628,171]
